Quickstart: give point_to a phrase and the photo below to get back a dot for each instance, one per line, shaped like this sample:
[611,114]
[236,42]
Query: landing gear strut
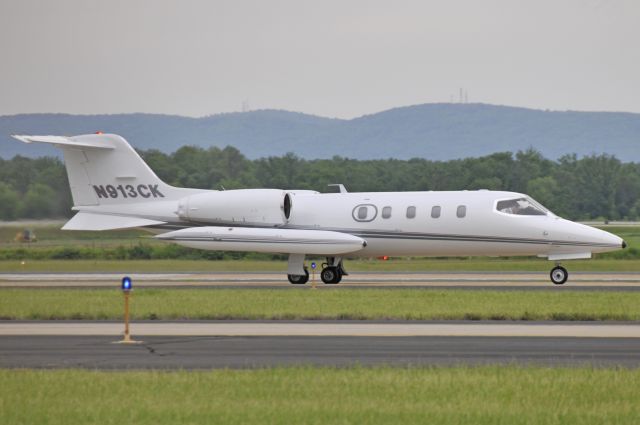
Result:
[559,275]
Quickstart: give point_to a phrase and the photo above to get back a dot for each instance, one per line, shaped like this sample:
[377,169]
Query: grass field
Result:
[51,234]
[372,265]
[305,395]
[402,304]
[51,237]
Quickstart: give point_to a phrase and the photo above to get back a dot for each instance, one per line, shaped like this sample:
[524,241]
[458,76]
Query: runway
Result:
[188,345]
[507,280]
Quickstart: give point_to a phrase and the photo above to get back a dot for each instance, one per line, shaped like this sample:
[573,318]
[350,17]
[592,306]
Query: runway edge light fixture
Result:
[126,284]
[127,287]
[313,275]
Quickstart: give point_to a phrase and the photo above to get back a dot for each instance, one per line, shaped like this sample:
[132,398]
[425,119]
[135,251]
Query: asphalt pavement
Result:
[435,280]
[206,352]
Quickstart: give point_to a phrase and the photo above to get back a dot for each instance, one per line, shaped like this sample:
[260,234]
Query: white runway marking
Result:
[327,329]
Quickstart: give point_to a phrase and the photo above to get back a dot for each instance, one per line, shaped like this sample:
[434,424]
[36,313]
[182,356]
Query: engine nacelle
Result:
[250,206]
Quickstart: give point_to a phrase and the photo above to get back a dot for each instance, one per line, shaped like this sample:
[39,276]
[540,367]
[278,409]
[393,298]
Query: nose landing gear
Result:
[559,275]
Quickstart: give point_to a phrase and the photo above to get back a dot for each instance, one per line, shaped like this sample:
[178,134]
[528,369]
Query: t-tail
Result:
[112,187]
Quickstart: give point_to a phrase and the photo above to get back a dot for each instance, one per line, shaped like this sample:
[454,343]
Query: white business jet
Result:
[113,188]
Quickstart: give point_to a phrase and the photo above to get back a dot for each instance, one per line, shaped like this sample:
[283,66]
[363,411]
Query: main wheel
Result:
[299,279]
[330,275]
[559,275]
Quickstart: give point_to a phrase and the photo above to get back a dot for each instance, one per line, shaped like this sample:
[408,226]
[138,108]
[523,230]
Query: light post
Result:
[127,287]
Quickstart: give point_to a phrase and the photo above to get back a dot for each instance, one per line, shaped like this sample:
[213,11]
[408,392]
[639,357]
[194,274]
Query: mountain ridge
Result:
[437,131]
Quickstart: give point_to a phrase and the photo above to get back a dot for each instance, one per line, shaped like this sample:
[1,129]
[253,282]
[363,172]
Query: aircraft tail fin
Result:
[103,169]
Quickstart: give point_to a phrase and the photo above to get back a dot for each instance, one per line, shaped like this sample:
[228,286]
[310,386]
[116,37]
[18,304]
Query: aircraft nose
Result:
[598,240]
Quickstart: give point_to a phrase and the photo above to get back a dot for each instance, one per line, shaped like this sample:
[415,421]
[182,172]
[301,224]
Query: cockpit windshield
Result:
[521,206]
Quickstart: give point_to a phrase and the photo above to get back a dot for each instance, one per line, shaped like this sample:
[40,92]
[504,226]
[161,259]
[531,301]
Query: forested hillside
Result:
[433,131]
[597,186]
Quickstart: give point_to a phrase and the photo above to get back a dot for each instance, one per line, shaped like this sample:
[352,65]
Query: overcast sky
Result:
[331,58]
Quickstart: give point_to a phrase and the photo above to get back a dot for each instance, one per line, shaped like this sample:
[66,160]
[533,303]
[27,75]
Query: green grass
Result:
[52,241]
[402,304]
[368,265]
[52,235]
[305,395]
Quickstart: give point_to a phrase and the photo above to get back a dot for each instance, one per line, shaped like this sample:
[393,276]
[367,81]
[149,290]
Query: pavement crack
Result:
[153,351]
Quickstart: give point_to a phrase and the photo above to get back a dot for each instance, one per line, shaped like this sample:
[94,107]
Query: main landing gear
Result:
[559,275]
[299,279]
[332,271]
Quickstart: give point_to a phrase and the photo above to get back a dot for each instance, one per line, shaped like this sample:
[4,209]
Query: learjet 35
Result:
[113,188]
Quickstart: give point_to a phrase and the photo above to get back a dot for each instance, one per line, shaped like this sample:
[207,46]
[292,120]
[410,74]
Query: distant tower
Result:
[245,105]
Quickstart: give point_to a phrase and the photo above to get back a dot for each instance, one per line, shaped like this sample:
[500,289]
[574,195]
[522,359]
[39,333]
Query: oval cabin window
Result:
[435,211]
[411,212]
[386,212]
[364,212]
[462,211]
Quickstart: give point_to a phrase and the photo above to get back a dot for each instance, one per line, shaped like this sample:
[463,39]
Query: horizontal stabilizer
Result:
[64,141]
[285,241]
[91,221]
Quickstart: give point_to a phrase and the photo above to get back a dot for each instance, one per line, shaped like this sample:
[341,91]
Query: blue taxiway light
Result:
[127,285]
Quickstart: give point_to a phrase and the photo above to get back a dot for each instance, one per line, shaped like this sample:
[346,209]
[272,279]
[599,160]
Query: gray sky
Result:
[330,58]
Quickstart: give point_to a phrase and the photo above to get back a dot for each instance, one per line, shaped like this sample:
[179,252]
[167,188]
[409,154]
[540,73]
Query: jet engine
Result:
[245,206]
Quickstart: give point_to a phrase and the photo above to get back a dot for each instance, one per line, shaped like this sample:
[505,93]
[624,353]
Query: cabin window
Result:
[386,212]
[461,211]
[411,212]
[435,211]
[521,206]
[364,212]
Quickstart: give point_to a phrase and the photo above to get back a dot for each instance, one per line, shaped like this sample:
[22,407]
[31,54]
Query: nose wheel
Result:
[559,275]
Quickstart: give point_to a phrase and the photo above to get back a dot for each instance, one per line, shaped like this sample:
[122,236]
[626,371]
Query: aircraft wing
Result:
[285,241]
[92,221]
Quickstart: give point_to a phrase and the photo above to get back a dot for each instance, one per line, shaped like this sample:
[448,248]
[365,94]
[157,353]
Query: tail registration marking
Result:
[128,191]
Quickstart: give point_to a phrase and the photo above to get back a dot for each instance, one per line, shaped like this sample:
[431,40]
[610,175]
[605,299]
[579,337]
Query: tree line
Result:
[592,187]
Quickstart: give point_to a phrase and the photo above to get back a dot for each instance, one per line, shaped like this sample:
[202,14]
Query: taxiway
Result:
[471,280]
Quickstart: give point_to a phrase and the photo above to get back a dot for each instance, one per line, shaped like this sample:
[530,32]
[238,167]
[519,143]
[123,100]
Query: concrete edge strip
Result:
[322,329]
